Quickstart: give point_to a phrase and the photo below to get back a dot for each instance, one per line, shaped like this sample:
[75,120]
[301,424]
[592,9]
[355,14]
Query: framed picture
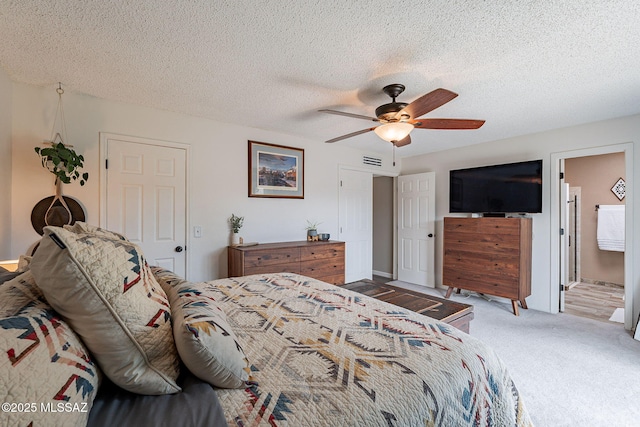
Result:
[275,171]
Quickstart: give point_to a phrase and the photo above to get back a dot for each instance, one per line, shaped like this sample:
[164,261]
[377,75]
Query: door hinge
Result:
[562,231]
[106,163]
[340,183]
[562,288]
[561,175]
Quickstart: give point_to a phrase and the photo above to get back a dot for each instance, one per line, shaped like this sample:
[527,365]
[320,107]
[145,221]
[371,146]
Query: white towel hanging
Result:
[611,232]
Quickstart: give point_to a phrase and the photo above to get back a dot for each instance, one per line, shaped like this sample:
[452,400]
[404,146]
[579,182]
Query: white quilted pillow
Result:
[103,287]
[80,227]
[206,343]
[46,374]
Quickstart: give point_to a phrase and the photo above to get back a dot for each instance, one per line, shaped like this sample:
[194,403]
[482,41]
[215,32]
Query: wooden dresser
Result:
[489,256]
[320,260]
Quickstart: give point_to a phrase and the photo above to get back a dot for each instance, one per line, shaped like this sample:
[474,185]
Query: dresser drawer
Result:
[273,268]
[322,267]
[271,257]
[322,252]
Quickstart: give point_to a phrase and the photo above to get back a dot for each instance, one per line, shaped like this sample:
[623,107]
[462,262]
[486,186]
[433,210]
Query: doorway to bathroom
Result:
[594,285]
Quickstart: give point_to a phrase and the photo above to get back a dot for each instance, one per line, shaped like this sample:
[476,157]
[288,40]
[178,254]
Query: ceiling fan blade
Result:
[404,141]
[349,135]
[452,124]
[426,103]
[355,116]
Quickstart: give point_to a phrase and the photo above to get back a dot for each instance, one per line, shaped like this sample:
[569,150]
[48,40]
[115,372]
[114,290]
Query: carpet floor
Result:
[571,371]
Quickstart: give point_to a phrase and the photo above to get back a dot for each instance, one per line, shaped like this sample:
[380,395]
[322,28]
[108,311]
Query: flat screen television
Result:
[497,189]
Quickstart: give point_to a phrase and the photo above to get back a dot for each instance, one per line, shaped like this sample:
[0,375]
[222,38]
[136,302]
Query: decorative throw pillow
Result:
[80,227]
[47,376]
[18,293]
[104,289]
[205,341]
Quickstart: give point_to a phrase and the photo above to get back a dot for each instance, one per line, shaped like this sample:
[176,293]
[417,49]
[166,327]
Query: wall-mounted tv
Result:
[497,189]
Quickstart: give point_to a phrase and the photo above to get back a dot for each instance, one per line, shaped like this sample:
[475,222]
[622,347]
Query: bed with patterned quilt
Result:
[321,355]
[91,335]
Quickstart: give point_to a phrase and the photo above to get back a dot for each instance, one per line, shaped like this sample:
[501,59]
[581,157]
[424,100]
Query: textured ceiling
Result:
[523,66]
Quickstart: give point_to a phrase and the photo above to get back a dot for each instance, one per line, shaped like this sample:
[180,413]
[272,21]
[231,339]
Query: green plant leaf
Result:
[63,162]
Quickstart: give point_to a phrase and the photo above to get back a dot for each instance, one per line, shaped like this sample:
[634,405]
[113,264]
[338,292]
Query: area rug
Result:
[429,305]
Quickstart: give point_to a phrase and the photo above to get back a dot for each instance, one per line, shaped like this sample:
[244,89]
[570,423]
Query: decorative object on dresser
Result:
[489,256]
[312,231]
[236,225]
[320,260]
[275,171]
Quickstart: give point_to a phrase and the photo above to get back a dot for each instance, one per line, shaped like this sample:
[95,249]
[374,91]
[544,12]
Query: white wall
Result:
[529,147]
[5,167]
[218,178]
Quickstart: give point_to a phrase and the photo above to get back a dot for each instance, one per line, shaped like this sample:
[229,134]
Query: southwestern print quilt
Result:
[326,356]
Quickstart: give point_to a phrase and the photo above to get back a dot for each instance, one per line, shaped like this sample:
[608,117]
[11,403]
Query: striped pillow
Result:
[47,376]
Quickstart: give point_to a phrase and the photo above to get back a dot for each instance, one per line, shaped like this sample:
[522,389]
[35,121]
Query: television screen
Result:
[507,188]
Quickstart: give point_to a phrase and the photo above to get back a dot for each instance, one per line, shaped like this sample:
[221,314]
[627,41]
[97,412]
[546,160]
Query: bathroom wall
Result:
[595,175]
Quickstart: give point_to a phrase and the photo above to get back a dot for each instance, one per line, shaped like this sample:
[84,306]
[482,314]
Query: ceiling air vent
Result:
[371,161]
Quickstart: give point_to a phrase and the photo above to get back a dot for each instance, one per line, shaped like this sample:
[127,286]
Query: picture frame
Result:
[275,171]
[619,189]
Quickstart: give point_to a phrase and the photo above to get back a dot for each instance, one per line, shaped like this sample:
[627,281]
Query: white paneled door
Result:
[356,223]
[416,213]
[145,197]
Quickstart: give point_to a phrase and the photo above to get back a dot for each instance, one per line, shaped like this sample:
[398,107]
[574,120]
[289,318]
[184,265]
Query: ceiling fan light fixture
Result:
[393,131]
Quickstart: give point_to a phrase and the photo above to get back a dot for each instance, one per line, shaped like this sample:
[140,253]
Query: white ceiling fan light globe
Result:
[393,131]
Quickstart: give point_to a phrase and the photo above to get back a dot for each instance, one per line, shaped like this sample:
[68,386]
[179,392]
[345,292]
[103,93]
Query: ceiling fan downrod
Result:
[387,112]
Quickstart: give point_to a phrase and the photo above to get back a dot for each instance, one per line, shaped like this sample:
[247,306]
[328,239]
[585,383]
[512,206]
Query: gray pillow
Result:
[6,275]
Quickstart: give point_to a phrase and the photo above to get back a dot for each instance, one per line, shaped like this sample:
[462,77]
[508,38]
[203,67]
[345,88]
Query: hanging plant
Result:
[63,162]
[66,165]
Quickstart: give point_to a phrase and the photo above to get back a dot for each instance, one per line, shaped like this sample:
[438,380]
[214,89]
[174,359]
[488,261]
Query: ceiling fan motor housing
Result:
[387,112]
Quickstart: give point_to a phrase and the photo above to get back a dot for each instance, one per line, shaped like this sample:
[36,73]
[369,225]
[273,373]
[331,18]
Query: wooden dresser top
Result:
[281,245]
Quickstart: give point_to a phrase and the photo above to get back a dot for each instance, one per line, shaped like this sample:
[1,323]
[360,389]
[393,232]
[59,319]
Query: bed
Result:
[324,356]
[89,317]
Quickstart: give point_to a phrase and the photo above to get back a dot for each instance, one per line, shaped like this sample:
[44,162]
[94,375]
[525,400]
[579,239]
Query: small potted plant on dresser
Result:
[312,231]
[236,225]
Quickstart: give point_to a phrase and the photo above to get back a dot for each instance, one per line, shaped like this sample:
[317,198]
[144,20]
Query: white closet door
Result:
[146,198]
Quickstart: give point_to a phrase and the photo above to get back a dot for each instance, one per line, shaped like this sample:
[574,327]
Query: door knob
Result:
[430,235]
[178,248]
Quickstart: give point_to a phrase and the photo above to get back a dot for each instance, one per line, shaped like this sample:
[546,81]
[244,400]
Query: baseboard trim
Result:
[382,274]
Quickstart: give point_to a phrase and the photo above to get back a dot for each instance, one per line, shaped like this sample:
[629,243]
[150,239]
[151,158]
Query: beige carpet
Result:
[571,371]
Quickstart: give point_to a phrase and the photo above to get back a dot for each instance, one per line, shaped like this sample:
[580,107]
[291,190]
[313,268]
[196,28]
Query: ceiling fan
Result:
[398,119]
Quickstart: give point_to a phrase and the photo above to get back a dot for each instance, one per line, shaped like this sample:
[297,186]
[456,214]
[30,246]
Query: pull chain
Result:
[394,153]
